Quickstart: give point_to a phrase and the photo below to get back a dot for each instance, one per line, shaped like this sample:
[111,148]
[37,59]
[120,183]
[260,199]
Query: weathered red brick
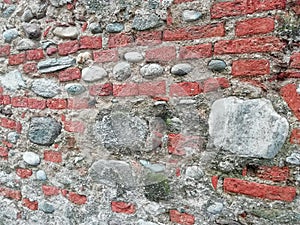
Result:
[178,143]
[16,59]
[213,84]
[74,126]
[185,89]
[19,101]
[250,67]
[181,218]
[53,156]
[119,40]
[4,50]
[87,42]
[5,100]
[78,103]
[77,198]
[33,205]
[162,54]
[195,32]
[248,45]
[8,123]
[23,173]
[214,181]
[265,5]
[258,190]
[51,50]
[196,51]
[67,48]
[33,103]
[123,207]
[106,56]
[69,74]
[295,136]
[149,38]
[3,151]
[101,89]
[50,190]
[35,54]
[10,193]
[273,173]
[254,26]
[295,60]
[56,103]
[223,82]
[290,95]
[30,67]
[123,90]
[152,88]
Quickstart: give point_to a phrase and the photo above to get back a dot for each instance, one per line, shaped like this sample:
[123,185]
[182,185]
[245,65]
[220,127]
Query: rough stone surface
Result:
[217,65]
[31,158]
[10,35]
[53,65]
[43,130]
[122,71]
[114,27]
[13,137]
[194,172]
[75,88]
[154,167]
[146,22]
[26,44]
[46,88]
[133,57]
[294,158]
[215,208]
[46,207]
[181,69]
[151,71]
[32,30]
[93,74]
[13,80]
[248,128]
[95,28]
[66,32]
[191,15]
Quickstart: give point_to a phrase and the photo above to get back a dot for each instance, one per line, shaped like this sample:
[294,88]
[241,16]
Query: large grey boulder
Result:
[248,128]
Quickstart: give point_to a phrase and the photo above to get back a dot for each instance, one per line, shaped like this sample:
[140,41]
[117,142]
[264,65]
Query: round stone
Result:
[114,27]
[31,158]
[93,74]
[10,35]
[217,65]
[190,15]
[150,71]
[215,208]
[66,32]
[45,87]
[43,130]
[194,172]
[122,71]
[46,207]
[133,57]
[95,28]
[32,30]
[41,175]
[145,22]
[75,88]
[13,137]
[181,69]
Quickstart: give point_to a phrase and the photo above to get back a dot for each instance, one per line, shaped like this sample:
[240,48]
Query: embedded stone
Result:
[53,65]
[43,130]
[66,32]
[181,69]
[95,28]
[26,44]
[217,65]
[248,128]
[27,15]
[190,15]
[215,208]
[122,71]
[155,167]
[150,71]
[194,172]
[45,87]
[9,11]
[31,158]
[41,175]
[46,207]
[75,88]
[10,35]
[93,74]
[133,57]
[293,159]
[114,27]
[13,137]
[13,80]
[145,22]
[32,30]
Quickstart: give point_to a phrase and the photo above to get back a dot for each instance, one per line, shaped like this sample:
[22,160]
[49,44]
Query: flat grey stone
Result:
[95,28]
[75,88]
[43,130]
[154,167]
[114,27]
[10,35]
[133,57]
[248,128]
[194,172]
[9,11]
[181,69]
[191,15]
[217,65]
[93,74]
[46,88]
[53,65]
[46,207]
[27,15]
[66,32]
[31,158]
[26,44]
[294,158]
[215,208]
[122,71]
[112,173]
[13,137]
[152,70]
[146,22]
[32,30]
[13,80]
[41,175]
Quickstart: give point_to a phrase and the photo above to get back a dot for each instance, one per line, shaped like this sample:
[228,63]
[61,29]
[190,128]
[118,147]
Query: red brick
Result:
[182,1]
[250,67]
[296,7]
[16,59]
[214,181]
[258,190]
[50,190]
[123,90]
[24,173]
[19,101]
[295,136]
[162,54]
[119,40]
[185,89]
[69,74]
[273,173]
[53,156]
[195,32]
[181,218]
[56,103]
[196,51]
[3,151]
[5,100]
[295,60]
[36,103]
[35,54]
[223,82]
[33,205]
[149,38]
[74,126]
[106,56]
[101,89]
[254,26]
[30,67]
[8,123]
[210,84]
[4,50]
[178,143]
[78,103]
[289,94]
[248,45]
[77,198]
[10,193]
[87,42]
[265,5]
[285,75]
[67,48]
[51,50]
[123,207]
[152,88]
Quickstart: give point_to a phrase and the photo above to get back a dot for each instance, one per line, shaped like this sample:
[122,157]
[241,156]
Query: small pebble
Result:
[13,137]
[133,57]
[191,15]
[181,69]
[217,65]
[31,158]
[150,71]
[41,175]
[74,89]
[215,208]
[95,28]
[114,27]
[10,35]
[194,172]
[46,207]
[122,71]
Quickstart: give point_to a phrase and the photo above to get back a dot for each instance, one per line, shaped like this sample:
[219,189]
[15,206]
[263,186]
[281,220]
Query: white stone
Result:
[66,32]
[13,80]
[93,73]
[133,57]
[31,158]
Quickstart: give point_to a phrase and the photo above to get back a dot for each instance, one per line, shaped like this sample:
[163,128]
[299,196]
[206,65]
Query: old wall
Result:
[149,112]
